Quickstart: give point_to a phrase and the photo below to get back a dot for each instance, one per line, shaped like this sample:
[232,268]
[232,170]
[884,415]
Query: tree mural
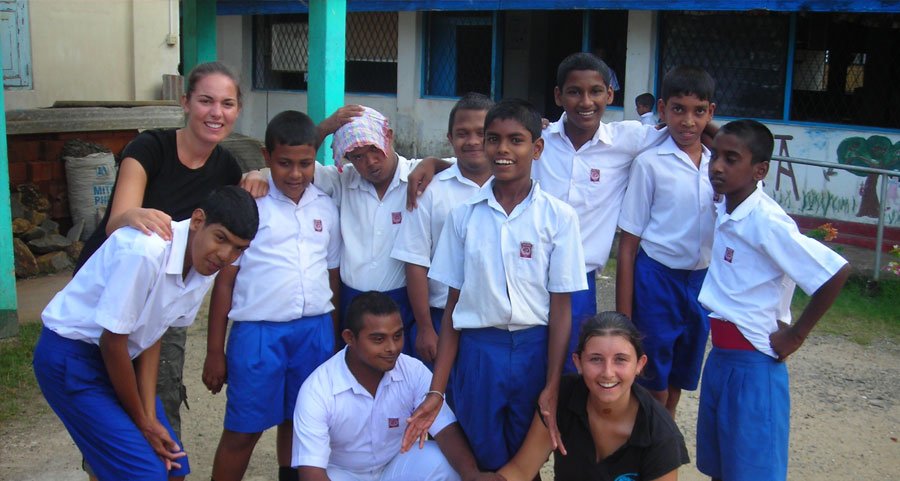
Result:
[876,152]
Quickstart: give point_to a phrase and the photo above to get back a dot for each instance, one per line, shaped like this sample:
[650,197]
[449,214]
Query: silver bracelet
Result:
[442,395]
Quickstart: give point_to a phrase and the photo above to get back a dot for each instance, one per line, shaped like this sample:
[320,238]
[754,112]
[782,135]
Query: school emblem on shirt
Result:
[595,175]
[729,254]
[317,225]
[396,217]
[393,422]
[525,250]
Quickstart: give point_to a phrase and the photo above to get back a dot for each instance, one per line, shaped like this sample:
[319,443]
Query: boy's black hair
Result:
[686,80]
[233,208]
[756,136]
[372,302]
[290,128]
[469,101]
[645,100]
[519,110]
[581,61]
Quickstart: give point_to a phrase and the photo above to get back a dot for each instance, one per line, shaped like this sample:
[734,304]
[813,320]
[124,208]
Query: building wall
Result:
[98,50]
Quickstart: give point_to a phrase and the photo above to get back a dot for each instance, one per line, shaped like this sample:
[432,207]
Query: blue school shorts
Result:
[674,324]
[496,383]
[584,307]
[401,298]
[267,363]
[74,380]
[744,418]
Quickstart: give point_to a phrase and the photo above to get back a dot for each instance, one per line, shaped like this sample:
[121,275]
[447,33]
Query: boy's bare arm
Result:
[559,329]
[214,371]
[788,338]
[456,449]
[628,246]
[421,176]
[417,290]
[448,345]
[334,281]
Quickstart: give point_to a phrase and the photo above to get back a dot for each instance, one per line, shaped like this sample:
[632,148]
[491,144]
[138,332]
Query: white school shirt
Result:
[132,285]
[283,275]
[648,119]
[506,266]
[757,255]
[369,225]
[338,422]
[669,205]
[593,178]
[418,237]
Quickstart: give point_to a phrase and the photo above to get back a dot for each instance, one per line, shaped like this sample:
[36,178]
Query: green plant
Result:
[857,313]
[17,383]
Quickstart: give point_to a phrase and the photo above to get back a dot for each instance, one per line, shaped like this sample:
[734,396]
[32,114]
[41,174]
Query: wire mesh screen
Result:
[372,52]
[459,51]
[846,68]
[280,52]
[745,53]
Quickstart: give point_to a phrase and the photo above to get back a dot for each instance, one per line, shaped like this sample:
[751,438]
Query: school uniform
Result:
[353,435]
[669,204]
[369,228]
[757,255]
[418,237]
[592,180]
[133,284]
[505,267]
[281,308]
[647,118]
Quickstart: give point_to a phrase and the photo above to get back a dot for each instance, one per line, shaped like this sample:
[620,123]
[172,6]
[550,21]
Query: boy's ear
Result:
[266,155]
[538,148]
[611,95]
[347,336]
[760,170]
[661,110]
[712,109]
[557,96]
[198,219]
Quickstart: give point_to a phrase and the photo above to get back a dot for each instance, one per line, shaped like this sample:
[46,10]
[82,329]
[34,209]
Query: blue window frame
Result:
[16,44]
[461,54]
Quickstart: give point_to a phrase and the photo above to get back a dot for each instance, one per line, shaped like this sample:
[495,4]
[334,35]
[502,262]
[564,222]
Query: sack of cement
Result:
[90,182]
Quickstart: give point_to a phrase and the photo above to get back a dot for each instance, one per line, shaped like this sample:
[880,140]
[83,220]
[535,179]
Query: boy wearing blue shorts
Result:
[758,255]
[98,355]
[512,257]
[281,299]
[667,222]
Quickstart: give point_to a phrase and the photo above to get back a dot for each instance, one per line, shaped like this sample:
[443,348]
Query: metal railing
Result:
[885,175]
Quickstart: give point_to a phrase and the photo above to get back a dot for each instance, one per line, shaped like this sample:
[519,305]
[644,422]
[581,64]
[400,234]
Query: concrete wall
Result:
[98,50]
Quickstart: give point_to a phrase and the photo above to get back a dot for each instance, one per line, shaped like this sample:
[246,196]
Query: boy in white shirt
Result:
[667,222]
[512,257]
[417,240]
[97,358]
[281,299]
[757,255]
[643,105]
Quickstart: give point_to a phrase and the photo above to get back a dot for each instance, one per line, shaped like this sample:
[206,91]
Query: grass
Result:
[17,383]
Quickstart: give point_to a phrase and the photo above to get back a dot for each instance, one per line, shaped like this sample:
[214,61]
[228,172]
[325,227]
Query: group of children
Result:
[491,277]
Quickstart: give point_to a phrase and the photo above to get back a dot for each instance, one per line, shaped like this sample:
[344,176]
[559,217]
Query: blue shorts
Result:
[674,324]
[497,379]
[744,418]
[584,307]
[74,380]
[267,364]
[401,298]
[436,315]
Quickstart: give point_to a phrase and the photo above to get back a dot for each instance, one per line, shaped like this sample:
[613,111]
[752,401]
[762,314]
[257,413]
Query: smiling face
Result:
[212,246]
[378,344]
[510,150]
[609,365]
[584,96]
[292,168]
[212,108]
[686,116]
[732,171]
[467,139]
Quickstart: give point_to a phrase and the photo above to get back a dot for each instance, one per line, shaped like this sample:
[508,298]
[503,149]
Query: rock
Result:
[20,226]
[37,217]
[74,250]
[48,244]
[50,226]
[75,232]
[26,265]
[15,204]
[34,233]
[53,262]
[33,199]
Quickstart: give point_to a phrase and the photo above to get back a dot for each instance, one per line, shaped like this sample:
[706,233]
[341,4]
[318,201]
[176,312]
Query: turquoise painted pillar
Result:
[198,20]
[9,322]
[327,44]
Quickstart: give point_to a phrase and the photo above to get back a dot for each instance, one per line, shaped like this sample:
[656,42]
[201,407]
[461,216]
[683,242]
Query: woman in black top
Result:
[613,428]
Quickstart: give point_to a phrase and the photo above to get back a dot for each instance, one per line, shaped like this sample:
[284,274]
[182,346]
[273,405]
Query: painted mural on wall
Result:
[833,193]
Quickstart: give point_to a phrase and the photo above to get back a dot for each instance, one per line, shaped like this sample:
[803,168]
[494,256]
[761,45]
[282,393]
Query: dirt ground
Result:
[845,419]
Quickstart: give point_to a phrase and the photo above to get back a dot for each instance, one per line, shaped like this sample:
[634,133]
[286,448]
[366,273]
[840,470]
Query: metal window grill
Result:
[372,52]
[746,53]
[280,52]
[459,53]
[846,67]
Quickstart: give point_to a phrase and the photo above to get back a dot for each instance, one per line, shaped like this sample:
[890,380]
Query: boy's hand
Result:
[417,181]
[149,221]
[162,444]
[422,418]
[255,183]
[426,344]
[214,372]
[547,402]
[339,118]
[785,341]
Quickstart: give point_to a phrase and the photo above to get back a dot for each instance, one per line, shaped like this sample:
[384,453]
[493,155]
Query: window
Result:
[281,52]
[16,42]
[609,31]
[459,50]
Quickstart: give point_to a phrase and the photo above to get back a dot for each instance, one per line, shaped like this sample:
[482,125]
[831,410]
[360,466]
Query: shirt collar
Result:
[746,207]
[344,380]
[670,147]
[401,173]
[603,133]
[455,172]
[640,433]
[180,237]
[486,194]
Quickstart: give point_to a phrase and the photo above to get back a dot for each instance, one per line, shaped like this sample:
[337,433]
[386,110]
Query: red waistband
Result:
[726,335]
